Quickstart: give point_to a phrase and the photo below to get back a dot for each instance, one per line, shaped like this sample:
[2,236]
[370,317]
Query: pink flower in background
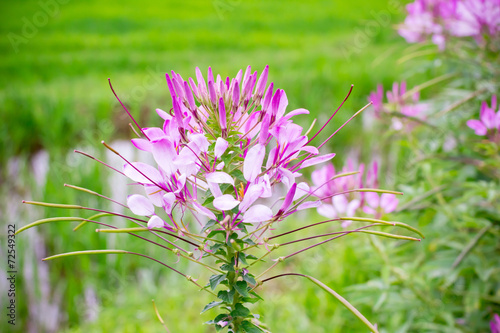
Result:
[437,20]
[377,99]
[495,324]
[489,121]
[379,204]
[374,203]
[334,203]
[400,104]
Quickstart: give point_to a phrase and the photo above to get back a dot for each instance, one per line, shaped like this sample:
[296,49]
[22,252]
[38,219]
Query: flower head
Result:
[228,140]
[489,120]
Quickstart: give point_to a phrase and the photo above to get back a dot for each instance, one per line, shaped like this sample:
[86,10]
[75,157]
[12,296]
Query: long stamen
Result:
[126,110]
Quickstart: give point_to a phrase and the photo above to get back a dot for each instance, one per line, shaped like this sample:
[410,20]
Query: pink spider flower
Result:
[374,203]
[336,203]
[401,104]
[438,20]
[489,120]
[214,121]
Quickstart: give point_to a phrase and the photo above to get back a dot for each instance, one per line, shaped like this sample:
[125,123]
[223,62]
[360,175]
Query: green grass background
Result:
[54,95]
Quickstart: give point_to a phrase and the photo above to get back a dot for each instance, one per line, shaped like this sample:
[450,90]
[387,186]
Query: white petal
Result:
[219,177]
[225,202]
[155,222]
[258,213]
[140,205]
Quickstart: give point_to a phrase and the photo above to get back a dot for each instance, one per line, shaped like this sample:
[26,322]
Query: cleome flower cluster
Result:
[438,20]
[224,145]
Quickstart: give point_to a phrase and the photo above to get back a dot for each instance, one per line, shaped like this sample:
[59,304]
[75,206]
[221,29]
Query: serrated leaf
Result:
[211,305]
[240,311]
[241,288]
[216,279]
[250,328]
[226,296]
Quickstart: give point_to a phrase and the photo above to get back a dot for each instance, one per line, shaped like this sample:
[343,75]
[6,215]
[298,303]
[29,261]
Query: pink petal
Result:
[352,206]
[317,160]
[327,211]
[477,126]
[142,144]
[296,112]
[302,189]
[140,205]
[146,170]
[253,162]
[203,210]
[253,192]
[220,147]
[258,213]
[155,222]
[488,118]
[340,203]
[164,154]
[225,202]
[155,196]
[154,133]
[369,210]
[288,199]
[309,204]
[219,177]
[373,199]
[200,141]
[388,202]
[168,202]
[163,114]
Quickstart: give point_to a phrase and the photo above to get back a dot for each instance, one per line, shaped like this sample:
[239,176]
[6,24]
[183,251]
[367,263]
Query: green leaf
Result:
[249,241]
[216,279]
[249,278]
[250,328]
[227,267]
[226,296]
[240,311]
[241,288]
[238,175]
[211,305]
[209,224]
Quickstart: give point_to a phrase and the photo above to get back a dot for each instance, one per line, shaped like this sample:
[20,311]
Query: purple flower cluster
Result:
[489,121]
[437,20]
[340,196]
[230,140]
[400,104]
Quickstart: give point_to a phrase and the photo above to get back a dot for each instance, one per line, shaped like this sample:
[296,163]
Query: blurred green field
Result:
[54,96]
